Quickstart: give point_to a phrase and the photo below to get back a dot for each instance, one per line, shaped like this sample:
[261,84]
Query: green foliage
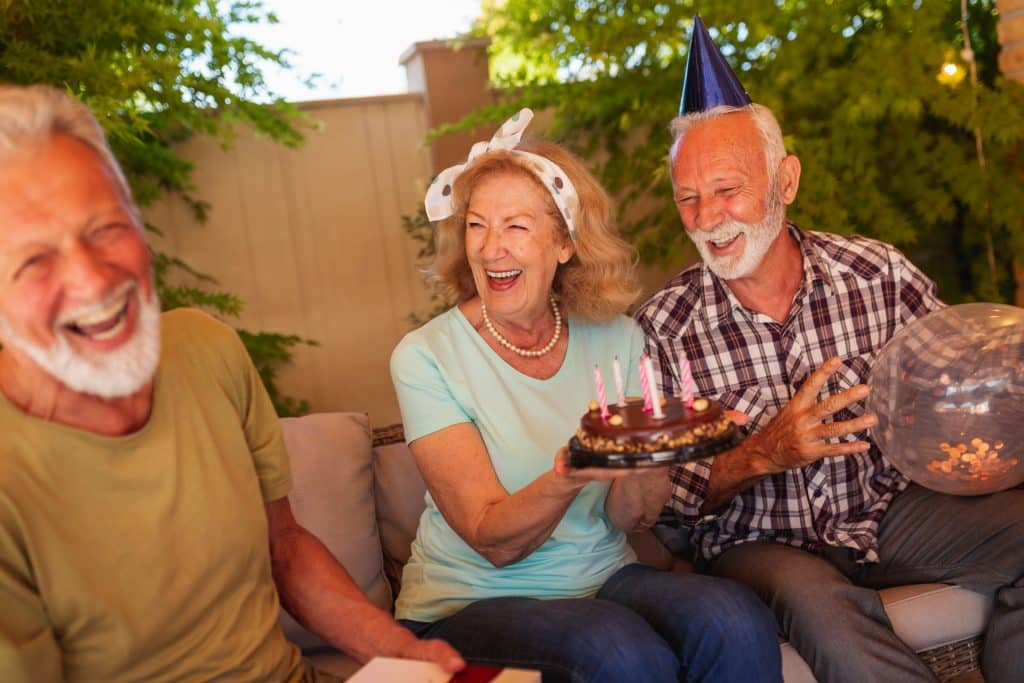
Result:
[888,148]
[270,351]
[155,72]
[419,228]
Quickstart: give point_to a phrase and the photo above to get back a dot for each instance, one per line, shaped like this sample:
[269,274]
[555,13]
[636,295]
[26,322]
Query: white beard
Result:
[758,238]
[113,374]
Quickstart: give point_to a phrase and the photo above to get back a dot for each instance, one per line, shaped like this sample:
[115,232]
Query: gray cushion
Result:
[332,469]
[399,491]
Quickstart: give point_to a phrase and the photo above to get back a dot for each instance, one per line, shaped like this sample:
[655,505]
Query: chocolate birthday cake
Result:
[630,436]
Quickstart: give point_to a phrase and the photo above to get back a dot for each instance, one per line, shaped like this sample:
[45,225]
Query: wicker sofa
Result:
[359,491]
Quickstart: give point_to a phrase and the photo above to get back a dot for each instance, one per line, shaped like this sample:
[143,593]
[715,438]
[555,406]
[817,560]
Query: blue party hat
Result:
[709,80]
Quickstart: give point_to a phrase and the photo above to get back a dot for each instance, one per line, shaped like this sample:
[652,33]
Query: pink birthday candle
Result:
[617,370]
[645,386]
[687,379]
[655,394]
[605,413]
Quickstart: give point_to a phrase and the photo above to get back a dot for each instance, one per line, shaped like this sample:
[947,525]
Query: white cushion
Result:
[930,615]
[332,469]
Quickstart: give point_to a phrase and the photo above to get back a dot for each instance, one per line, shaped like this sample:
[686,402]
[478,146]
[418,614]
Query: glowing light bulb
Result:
[951,74]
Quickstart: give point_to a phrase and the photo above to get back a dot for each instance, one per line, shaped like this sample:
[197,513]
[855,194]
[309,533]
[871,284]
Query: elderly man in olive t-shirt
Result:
[144,518]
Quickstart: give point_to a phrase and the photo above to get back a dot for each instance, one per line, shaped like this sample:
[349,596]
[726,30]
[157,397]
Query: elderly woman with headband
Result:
[519,559]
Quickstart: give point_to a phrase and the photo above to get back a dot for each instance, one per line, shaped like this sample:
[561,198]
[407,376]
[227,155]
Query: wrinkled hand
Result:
[433,650]
[796,437]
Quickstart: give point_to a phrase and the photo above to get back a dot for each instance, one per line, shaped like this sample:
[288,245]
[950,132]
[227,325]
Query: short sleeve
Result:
[424,394]
[224,355]
[263,434]
[28,646]
[917,292]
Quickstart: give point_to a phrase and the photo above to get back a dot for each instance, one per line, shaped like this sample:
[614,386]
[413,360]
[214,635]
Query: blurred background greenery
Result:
[904,126]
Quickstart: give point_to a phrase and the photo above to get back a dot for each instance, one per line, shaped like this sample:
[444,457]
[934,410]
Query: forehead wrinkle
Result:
[731,142]
[504,217]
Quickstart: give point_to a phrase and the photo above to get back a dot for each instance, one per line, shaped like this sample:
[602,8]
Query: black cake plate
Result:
[580,457]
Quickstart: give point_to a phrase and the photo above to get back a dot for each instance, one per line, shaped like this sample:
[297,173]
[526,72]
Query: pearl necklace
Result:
[525,352]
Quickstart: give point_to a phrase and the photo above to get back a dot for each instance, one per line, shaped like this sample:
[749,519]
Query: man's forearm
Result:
[323,597]
[732,473]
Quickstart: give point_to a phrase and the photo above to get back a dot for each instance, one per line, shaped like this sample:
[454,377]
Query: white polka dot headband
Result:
[440,203]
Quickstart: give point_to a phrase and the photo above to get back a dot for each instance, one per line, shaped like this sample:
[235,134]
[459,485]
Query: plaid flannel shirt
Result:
[855,294]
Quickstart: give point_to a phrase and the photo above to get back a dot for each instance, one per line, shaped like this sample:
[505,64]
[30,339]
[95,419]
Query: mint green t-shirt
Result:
[446,374]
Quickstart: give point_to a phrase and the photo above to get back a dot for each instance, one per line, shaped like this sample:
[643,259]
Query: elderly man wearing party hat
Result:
[782,323]
[519,559]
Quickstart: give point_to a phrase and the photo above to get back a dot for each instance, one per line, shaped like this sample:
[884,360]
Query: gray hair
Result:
[764,119]
[32,114]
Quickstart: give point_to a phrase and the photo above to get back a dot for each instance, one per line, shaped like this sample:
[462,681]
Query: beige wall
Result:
[453,78]
[1010,30]
[311,239]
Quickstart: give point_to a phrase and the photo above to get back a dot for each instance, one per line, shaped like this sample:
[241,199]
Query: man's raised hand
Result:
[796,437]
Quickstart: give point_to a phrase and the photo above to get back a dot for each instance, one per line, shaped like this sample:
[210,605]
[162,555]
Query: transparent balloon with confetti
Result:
[948,390]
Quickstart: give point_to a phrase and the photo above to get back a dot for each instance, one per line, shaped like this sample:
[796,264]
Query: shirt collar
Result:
[814,269]
[720,302]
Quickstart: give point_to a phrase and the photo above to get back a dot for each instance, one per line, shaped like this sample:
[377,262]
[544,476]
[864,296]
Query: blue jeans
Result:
[643,626]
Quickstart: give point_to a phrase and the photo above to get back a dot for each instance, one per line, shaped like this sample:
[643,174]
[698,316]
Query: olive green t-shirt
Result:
[146,556]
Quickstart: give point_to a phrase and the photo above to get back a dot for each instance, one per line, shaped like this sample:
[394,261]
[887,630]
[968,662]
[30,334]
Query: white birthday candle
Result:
[653,384]
[617,371]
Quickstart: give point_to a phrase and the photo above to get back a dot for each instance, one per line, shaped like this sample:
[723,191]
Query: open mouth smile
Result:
[104,323]
[721,244]
[502,279]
